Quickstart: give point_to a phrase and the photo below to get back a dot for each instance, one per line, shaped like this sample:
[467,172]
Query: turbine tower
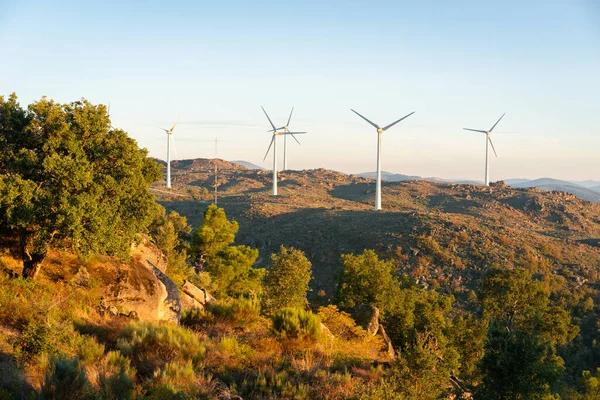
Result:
[286,129]
[277,132]
[488,141]
[379,134]
[169,133]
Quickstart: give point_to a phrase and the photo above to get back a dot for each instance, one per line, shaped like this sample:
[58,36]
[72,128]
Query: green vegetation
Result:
[230,267]
[69,179]
[472,305]
[286,283]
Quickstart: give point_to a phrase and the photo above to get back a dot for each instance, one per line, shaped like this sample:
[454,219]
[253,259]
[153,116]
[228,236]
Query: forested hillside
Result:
[453,291]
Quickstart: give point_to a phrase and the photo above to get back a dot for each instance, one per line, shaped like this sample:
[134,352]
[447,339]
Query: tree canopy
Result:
[287,281]
[69,178]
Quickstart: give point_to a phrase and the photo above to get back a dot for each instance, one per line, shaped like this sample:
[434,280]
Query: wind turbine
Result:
[169,133]
[277,132]
[379,133]
[488,141]
[286,129]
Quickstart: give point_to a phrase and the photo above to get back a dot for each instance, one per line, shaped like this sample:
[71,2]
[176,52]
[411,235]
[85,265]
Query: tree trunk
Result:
[31,261]
[31,267]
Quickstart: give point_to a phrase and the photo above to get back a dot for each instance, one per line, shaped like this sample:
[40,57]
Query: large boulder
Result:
[143,290]
[367,316]
[193,298]
[387,343]
[149,253]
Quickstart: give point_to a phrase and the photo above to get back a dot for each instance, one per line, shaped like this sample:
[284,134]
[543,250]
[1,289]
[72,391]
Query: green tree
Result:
[232,271]
[286,283]
[171,234]
[215,233]
[230,267]
[524,330]
[517,365]
[591,384]
[366,279]
[422,371]
[519,301]
[68,178]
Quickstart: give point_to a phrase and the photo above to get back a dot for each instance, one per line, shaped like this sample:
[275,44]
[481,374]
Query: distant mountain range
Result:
[247,164]
[587,190]
[549,184]
[391,177]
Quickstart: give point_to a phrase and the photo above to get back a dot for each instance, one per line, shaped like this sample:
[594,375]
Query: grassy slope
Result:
[441,234]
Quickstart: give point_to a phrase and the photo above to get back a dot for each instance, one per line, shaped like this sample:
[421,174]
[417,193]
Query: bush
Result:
[151,346]
[116,377]
[294,323]
[242,311]
[34,340]
[340,323]
[65,379]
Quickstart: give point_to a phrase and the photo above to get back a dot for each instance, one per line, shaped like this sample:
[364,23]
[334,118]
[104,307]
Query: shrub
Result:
[65,379]
[34,340]
[340,323]
[151,346]
[89,350]
[295,323]
[116,377]
[242,311]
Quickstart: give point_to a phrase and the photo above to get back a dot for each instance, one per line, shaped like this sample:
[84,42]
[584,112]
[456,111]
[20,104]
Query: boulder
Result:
[388,348]
[193,298]
[367,316]
[149,253]
[143,290]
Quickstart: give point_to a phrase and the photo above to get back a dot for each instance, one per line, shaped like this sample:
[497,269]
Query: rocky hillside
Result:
[443,235]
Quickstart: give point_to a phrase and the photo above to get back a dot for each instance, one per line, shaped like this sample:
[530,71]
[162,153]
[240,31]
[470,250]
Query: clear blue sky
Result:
[457,64]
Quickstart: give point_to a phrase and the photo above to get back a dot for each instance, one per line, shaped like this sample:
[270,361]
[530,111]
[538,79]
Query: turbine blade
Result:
[271,122]
[497,122]
[295,137]
[162,129]
[474,130]
[175,123]
[294,133]
[269,149]
[372,123]
[394,123]
[271,130]
[490,139]
[290,118]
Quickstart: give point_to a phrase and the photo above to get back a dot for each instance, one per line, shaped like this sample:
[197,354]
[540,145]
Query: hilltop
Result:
[549,184]
[443,235]
[587,190]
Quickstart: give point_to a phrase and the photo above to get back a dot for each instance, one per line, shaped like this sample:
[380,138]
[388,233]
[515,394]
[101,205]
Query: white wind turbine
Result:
[379,133]
[277,132]
[286,129]
[488,141]
[169,133]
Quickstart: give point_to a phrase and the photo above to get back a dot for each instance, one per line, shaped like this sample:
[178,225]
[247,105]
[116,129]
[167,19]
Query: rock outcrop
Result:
[387,342]
[367,316]
[145,291]
[193,298]
[149,253]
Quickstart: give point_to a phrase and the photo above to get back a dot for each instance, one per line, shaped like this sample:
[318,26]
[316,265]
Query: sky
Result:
[456,64]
